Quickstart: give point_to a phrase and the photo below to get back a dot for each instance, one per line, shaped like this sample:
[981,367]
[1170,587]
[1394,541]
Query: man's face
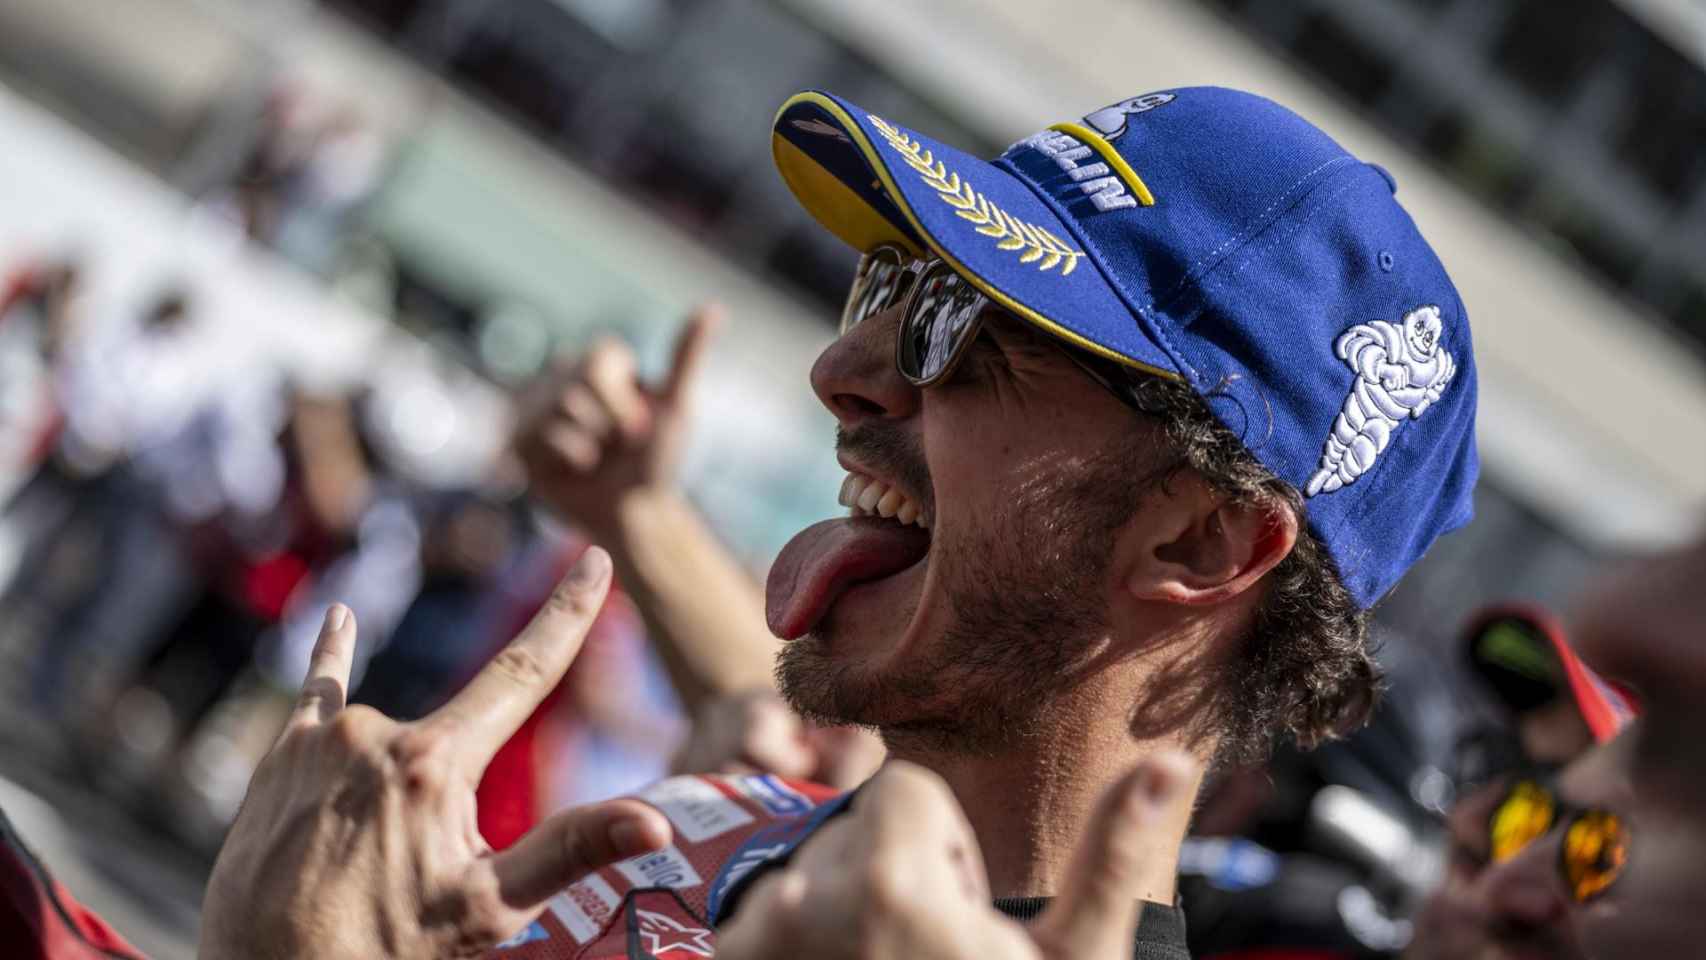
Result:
[1645,912]
[1025,471]
[1648,628]
[1465,919]
[1461,920]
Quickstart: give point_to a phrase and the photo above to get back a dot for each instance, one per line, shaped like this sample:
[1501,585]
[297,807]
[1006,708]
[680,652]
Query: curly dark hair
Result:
[1305,669]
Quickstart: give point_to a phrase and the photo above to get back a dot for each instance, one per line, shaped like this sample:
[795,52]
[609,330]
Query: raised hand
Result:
[901,875]
[358,837]
[596,433]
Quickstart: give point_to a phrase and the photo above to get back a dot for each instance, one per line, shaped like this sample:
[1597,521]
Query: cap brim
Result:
[1605,711]
[870,181]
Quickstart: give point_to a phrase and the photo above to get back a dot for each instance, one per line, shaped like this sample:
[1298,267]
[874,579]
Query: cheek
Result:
[1655,908]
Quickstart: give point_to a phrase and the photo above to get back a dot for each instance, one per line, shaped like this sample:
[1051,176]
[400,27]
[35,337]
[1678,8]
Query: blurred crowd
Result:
[166,558]
[167,564]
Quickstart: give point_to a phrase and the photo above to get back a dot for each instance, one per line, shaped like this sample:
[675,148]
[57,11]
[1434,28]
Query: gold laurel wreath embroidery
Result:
[1012,233]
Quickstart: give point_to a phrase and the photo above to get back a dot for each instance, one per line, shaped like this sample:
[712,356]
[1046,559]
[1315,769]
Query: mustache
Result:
[894,453]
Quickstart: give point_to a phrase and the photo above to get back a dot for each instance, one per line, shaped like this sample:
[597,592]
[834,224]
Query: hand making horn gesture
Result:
[358,837]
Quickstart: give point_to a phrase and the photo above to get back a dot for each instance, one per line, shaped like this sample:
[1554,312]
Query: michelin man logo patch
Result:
[1110,121]
[1401,371]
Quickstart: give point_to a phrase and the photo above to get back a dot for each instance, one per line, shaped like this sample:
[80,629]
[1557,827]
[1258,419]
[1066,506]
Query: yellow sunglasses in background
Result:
[1595,845]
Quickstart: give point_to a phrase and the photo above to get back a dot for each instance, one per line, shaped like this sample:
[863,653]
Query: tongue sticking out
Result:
[826,558]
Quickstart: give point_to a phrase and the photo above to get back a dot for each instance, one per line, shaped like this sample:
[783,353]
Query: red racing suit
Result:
[665,905]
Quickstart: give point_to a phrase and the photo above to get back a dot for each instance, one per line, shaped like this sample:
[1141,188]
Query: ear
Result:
[1197,548]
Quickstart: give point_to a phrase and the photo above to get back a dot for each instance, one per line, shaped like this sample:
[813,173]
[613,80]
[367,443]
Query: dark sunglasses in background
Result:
[1595,845]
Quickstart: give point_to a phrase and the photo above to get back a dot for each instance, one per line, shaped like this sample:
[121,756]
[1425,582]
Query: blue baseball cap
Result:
[1211,236]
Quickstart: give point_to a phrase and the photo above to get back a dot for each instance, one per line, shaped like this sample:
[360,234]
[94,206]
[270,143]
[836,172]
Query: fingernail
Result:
[1155,790]
[590,568]
[336,615]
[1160,781]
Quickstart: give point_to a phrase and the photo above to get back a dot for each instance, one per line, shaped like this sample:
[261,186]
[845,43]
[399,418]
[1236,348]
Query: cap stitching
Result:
[1217,281]
[1261,223]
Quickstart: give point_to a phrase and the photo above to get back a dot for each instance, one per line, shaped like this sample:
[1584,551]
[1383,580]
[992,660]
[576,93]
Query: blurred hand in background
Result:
[755,732]
[602,447]
[596,433]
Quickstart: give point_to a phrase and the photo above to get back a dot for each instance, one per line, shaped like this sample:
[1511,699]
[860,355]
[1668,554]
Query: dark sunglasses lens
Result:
[1596,846]
[942,317]
[877,287]
[1522,817]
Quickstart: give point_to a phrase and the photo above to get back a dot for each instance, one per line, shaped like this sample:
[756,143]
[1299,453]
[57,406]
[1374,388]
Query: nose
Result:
[1467,822]
[855,377]
[1525,890]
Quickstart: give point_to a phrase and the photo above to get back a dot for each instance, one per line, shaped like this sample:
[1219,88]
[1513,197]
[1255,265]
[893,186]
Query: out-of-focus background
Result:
[271,271]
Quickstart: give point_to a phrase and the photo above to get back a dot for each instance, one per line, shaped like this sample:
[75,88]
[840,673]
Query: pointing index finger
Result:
[486,712]
[327,682]
[690,348]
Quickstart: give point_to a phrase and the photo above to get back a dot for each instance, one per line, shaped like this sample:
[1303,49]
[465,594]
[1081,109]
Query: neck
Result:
[1031,803]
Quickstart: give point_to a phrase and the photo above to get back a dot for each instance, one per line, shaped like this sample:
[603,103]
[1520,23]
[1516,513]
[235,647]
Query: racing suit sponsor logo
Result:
[773,795]
[530,933]
[663,868]
[697,808]
[664,934]
[585,907]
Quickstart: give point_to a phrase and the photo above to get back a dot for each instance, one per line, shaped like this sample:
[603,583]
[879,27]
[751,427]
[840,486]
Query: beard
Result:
[1027,594]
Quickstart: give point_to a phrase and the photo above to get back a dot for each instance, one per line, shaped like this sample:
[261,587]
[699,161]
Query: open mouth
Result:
[886,533]
[870,497]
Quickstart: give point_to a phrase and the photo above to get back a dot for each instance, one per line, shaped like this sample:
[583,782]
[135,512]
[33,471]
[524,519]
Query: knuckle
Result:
[419,756]
[357,729]
[908,786]
[473,915]
[883,882]
[575,600]
[522,665]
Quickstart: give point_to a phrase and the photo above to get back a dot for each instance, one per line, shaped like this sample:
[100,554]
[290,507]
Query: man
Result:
[967,673]
[1619,854]
[1041,585]
[1558,708]
[1139,420]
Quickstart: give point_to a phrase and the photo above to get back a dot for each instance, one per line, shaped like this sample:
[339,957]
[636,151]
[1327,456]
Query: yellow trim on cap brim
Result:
[857,133]
[1111,157]
[836,205]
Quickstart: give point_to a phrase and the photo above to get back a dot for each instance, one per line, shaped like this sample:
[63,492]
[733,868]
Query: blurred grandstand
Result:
[382,217]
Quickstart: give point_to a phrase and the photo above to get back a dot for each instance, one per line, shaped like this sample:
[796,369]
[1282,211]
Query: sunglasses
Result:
[1513,654]
[1595,841]
[942,314]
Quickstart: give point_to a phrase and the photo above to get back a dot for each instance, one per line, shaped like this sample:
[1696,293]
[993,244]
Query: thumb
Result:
[690,348]
[1098,909]
[571,844]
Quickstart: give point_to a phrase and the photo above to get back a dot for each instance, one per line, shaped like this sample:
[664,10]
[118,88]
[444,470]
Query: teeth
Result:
[866,496]
[868,499]
[890,502]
